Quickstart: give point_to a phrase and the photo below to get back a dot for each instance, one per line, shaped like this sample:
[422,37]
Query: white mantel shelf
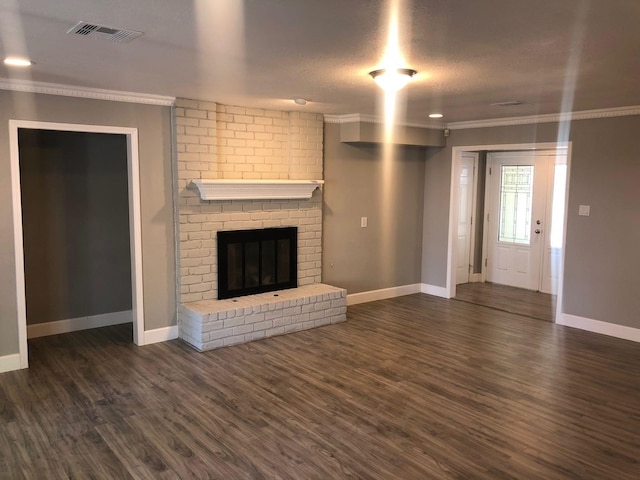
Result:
[256,189]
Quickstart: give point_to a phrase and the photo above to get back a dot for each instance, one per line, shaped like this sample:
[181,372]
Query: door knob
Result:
[537,230]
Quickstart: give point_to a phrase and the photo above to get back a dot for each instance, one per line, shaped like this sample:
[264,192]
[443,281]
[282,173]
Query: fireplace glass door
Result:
[255,261]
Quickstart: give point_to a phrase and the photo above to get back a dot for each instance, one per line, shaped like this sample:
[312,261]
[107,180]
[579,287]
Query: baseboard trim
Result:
[76,324]
[434,290]
[10,362]
[597,326]
[160,335]
[382,294]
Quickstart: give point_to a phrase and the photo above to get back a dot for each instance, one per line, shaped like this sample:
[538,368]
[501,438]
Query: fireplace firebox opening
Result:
[257,261]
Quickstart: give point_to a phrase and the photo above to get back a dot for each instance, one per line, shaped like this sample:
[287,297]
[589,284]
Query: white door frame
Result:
[133,163]
[454,200]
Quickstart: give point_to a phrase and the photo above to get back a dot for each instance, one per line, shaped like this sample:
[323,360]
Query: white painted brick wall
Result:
[220,141]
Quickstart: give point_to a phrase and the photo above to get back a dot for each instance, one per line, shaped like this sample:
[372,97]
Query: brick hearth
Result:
[210,324]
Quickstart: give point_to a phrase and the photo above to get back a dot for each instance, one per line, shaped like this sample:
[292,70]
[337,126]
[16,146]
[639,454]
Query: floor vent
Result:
[111,34]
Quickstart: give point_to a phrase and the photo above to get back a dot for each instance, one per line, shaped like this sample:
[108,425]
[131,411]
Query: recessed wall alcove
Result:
[80,243]
[75,211]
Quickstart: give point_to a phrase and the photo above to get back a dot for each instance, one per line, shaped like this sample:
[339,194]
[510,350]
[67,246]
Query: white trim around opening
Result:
[134,219]
[454,207]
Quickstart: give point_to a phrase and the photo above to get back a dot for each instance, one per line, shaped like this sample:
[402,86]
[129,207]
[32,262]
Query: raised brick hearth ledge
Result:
[210,324]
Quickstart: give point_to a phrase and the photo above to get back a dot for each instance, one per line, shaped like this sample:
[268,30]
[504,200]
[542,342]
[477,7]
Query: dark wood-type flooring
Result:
[415,387]
[509,299]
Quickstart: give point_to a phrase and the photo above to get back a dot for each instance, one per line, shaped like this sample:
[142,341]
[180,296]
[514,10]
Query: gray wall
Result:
[360,184]
[154,135]
[602,260]
[75,217]
[436,216]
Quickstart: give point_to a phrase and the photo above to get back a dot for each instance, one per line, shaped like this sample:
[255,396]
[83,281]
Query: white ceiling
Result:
[554,55]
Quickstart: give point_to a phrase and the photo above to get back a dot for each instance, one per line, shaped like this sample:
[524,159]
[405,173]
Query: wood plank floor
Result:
[509,299]
[416,387]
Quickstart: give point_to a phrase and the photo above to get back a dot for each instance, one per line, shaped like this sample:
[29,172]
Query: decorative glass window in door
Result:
[516,196]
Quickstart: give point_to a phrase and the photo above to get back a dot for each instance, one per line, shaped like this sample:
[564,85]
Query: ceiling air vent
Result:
[111,34]
[511,103]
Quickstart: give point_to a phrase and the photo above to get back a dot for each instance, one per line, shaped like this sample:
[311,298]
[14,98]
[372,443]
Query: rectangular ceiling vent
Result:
[511,103]
[111,34]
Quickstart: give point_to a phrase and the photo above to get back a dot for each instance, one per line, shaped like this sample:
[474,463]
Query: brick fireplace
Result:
[236,143]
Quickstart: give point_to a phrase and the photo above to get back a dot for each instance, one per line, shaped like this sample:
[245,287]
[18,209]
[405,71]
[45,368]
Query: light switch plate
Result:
[584,210]
[363,222]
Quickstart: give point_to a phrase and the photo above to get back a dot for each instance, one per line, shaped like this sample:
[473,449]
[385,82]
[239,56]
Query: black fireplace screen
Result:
[256,261]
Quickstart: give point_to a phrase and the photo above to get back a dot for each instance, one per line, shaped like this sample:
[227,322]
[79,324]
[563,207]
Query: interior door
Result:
[468,162]
[517,190]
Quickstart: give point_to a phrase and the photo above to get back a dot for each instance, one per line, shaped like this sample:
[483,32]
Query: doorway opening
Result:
[470,175]
[129,253]
[528,242]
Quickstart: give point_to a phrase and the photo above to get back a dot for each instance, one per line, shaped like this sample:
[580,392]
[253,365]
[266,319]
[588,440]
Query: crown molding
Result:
[84,92]
[359,117]
[497,122]
[550,118]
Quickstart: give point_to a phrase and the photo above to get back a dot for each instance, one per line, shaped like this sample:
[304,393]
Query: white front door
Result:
[517,191]
[468,162]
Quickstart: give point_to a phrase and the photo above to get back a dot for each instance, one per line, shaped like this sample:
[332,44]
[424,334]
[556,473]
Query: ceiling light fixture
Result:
[300,101]
[17,62]
[392,79]
[436,115]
